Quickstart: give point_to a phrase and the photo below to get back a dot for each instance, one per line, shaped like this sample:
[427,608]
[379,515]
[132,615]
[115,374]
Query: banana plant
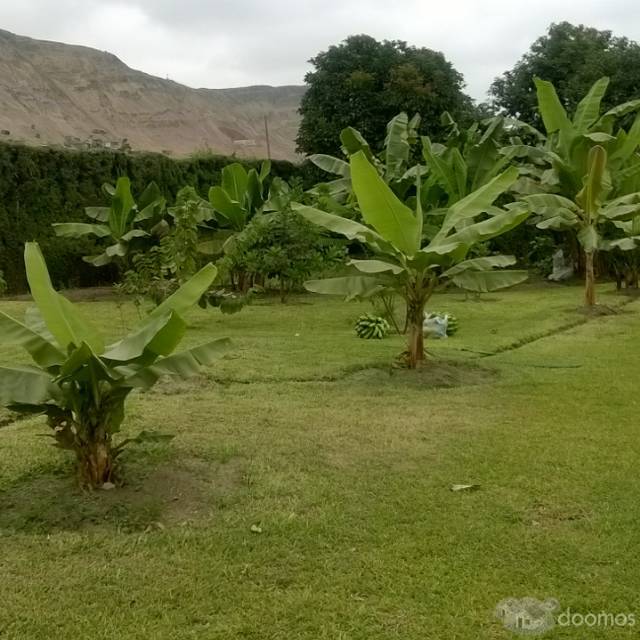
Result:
[416,252]
[587,214]
[393,162]
[79,383]
[469,158]
[626,265]
[588,166]
[240,195]
[559,164]
[121,223]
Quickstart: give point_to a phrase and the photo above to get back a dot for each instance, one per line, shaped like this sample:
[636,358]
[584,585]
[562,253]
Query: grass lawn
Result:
[306,494]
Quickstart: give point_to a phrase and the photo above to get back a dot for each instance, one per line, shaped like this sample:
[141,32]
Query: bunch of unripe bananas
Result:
[370,327]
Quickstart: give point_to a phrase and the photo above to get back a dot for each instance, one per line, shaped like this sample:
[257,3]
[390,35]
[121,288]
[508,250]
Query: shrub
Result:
[540,255]
[282,247]
[159,271]
[150,278]
[180,245]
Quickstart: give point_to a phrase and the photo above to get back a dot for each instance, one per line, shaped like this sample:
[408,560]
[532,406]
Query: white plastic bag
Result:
[435,326]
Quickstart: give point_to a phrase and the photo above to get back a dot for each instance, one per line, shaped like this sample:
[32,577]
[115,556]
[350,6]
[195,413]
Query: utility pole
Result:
[266,133]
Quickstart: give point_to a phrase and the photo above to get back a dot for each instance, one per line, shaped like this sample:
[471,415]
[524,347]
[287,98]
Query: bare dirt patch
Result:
[599,310]
[185,492]
[432,374]
[551,515]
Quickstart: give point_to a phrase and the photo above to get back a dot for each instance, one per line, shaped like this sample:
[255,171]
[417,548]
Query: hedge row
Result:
[39,186]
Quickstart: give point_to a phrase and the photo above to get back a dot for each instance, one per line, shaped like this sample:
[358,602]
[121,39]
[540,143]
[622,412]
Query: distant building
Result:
[245,143]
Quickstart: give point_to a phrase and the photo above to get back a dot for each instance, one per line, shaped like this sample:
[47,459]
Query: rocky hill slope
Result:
[53,93]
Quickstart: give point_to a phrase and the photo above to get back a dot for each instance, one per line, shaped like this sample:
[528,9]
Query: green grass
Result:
[344,465]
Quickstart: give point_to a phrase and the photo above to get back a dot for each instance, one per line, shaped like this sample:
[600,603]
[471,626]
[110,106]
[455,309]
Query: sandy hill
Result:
[53,93]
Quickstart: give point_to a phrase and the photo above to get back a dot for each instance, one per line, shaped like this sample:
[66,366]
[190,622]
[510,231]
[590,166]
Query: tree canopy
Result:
[572,58]
[363,83]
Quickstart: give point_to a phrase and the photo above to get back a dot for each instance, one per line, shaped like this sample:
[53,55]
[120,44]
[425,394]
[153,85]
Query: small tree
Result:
[415,256]
[80,384]
[161,269]
[284,247]
[182,244]
[280,245]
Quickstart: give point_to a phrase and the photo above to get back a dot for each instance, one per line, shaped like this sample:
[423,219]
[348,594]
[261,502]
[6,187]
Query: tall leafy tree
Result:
[363,82]
[572,58]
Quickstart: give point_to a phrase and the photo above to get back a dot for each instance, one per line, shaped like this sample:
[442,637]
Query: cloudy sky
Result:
[227,43]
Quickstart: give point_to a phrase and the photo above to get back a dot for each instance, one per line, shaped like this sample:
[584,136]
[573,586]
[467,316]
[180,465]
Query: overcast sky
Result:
[228,43]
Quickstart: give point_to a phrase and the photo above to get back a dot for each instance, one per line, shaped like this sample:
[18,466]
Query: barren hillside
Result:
[52,93]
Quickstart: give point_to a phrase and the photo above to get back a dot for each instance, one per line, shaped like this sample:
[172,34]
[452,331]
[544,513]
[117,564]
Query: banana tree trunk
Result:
[417,294]
[95,463]
[415,319]
[590,280]
[284,291]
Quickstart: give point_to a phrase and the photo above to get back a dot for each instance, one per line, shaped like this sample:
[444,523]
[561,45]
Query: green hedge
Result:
[39,186]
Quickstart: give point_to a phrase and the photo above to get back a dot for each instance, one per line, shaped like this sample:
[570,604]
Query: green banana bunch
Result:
[452,324]
[370,327]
